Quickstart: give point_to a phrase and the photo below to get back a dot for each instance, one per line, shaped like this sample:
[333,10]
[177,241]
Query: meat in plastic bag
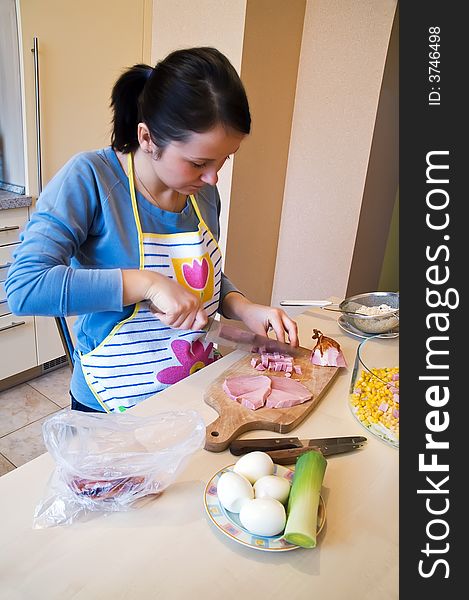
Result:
[105,462]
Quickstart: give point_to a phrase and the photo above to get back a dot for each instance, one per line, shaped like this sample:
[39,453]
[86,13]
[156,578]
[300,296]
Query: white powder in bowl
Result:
[376,319]
[375,310]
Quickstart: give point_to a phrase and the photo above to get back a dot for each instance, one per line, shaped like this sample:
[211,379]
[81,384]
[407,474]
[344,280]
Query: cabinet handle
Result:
[11,228]
[5,265]
[13,324]
[35,51]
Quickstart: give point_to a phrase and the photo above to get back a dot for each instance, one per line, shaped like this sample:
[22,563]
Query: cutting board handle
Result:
[220,434]
[217,438]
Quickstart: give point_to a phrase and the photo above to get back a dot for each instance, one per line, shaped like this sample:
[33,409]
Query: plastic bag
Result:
[105,462]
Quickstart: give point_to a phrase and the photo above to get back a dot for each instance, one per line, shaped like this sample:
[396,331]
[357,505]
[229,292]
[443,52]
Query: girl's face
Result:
[188,166]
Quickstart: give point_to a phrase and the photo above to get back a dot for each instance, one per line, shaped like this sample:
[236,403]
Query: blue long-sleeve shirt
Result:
[78,239]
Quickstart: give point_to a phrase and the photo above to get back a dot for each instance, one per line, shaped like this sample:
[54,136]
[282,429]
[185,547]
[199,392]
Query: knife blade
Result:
[229,335]
[238,447]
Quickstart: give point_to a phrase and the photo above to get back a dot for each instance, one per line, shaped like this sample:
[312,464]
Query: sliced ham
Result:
[286,393]
[250,391]
[256,391]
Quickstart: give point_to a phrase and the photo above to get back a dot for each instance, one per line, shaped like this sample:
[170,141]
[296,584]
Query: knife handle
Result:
[243,446]
[288,457]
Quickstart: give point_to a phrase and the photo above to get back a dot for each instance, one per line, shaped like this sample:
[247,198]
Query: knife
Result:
[229,335]
[286,450]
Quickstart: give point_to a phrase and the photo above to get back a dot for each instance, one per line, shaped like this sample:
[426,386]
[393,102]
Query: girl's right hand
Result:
[174,305]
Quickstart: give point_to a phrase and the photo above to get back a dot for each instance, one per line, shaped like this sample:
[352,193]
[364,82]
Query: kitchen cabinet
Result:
[81,50]
[17,334]
[17,344]
[49,344]
[12,221]
[83,47]
[5,262]
[28,345]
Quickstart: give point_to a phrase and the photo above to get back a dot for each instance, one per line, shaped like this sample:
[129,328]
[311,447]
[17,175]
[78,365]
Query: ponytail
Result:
[125,105]
[191,90]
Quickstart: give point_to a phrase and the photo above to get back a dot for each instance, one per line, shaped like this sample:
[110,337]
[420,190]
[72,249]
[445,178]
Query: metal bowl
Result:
[374,324]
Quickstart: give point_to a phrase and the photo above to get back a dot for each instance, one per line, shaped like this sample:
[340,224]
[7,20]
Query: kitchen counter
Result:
[169,548]
[13,200]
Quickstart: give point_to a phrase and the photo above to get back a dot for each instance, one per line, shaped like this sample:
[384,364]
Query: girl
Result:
[126,237]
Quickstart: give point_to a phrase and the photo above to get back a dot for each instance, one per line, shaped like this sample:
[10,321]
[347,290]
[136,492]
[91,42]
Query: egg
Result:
[233,491]
[254,465]
[272,486]
[263,516]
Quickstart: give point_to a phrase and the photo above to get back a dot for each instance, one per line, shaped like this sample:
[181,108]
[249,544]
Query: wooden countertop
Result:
[169,549]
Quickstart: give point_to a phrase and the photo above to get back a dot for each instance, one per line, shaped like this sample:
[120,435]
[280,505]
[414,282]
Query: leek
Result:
[303,501]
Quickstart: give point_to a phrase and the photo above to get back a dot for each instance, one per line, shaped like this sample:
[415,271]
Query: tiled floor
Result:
[23,409]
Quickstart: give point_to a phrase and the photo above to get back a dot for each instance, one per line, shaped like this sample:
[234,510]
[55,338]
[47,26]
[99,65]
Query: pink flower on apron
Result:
[192,358]
[197,275]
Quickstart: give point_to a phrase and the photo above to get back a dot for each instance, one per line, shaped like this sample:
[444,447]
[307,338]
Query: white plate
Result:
[229,524]
[343,324]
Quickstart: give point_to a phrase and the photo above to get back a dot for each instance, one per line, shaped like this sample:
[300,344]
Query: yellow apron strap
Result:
[130,176]
[196,208]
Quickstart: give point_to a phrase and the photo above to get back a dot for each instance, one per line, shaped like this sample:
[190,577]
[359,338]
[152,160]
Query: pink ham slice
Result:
[250,391]
[286,393]
[256,391]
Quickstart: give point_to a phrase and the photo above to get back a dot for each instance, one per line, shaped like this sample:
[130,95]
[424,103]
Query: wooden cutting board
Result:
[235,419]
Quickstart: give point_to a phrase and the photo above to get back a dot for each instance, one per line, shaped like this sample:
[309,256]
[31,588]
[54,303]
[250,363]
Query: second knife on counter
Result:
[285,451]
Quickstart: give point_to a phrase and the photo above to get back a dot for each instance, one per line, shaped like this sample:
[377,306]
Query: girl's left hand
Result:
[260,319]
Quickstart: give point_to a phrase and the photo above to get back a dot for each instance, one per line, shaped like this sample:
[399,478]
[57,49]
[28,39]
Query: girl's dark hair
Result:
[191,90]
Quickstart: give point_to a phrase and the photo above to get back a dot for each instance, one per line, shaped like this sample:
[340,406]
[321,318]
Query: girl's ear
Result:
[144,138]
[146,143]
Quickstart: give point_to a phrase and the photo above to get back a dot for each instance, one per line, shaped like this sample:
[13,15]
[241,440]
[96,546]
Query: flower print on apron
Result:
[141,356]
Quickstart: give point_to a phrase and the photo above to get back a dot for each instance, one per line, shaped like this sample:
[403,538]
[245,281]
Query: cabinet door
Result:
[49,344]
[17,345]
[6,259]
[83,48]
[12,222]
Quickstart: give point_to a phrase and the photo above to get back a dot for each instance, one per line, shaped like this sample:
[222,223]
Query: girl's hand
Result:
[260,319]
[175,306]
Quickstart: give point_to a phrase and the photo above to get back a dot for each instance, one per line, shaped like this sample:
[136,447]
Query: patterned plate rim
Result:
[284,545]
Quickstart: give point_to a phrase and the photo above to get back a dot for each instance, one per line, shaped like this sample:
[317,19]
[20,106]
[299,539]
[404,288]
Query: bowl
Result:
[374,388]
[380,311]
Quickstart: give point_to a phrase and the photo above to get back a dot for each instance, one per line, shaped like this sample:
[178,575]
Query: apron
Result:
[141,356]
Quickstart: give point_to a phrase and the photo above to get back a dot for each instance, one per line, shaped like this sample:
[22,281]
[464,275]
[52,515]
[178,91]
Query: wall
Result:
[291,198]
[389,276]
[341,68]
[382,179]
[219,23]
[269,68]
